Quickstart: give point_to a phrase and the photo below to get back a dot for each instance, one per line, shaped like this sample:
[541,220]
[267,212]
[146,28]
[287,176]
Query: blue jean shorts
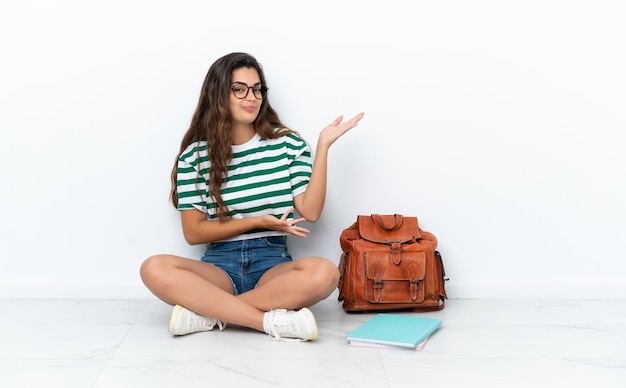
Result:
[245,261]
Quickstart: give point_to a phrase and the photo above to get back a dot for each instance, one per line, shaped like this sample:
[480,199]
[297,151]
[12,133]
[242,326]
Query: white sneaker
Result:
[183,321]
[297,325]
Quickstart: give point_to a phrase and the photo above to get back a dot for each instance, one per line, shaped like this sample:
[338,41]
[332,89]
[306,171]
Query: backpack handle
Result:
[380,222]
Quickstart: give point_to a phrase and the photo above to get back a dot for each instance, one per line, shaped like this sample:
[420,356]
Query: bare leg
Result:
[206,290]
[200,287]
[293,285]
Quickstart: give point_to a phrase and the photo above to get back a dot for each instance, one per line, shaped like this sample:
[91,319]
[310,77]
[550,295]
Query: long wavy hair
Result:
[212,122]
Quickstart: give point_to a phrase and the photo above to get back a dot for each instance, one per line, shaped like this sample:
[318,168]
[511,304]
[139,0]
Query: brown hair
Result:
[212,122]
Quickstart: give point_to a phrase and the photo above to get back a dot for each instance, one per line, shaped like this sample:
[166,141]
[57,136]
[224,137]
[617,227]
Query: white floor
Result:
[482,343]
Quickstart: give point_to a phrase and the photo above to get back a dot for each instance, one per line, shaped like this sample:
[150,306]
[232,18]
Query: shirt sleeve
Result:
[191,183]
[301,164]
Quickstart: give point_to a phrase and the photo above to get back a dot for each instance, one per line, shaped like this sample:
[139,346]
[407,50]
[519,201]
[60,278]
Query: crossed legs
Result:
[206,290]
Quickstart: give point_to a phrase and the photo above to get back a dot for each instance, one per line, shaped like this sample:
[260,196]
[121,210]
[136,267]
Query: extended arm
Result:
[311,203]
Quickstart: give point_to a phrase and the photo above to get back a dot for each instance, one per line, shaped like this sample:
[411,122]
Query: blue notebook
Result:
[395,330]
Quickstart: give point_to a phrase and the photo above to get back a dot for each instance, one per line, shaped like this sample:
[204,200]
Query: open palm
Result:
[334,130]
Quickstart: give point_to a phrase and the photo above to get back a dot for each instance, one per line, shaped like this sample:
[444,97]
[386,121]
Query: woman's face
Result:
[244,101]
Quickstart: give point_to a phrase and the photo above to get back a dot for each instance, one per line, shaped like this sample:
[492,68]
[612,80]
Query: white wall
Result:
[497,123]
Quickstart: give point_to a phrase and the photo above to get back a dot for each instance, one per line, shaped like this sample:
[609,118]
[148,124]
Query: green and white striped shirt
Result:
[264,176]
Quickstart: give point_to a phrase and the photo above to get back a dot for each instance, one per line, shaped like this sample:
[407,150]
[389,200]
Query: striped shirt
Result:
[264,175]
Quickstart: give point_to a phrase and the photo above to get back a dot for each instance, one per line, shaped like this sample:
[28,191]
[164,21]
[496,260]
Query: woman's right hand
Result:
[285,225]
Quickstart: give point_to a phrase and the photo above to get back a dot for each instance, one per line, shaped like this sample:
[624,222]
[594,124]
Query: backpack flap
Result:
[388,282]
[385,229]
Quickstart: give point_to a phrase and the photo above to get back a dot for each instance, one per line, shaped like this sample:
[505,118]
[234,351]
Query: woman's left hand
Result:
[334,130]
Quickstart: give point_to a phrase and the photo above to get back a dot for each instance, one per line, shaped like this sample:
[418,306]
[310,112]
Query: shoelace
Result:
[283,325]
[197,321]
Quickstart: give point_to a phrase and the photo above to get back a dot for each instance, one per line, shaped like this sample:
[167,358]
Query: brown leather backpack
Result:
[389,263]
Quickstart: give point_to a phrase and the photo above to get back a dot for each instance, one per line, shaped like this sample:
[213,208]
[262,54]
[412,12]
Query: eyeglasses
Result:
[240,90]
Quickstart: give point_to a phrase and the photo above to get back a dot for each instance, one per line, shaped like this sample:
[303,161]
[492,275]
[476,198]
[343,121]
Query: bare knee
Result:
[153,270]
[324,276]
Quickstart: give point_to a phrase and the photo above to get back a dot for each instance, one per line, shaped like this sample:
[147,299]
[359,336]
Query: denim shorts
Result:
[245,261]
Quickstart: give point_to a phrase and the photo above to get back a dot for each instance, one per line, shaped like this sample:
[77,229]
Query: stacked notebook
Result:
[394,330]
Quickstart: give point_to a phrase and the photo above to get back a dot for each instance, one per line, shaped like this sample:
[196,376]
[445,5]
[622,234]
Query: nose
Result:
[250,96]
